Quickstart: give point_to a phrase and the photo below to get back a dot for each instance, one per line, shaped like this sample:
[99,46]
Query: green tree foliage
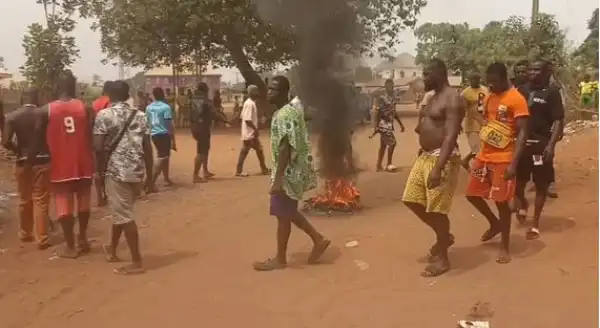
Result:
[587,53]
[228,33]
[49,51]
[464,48]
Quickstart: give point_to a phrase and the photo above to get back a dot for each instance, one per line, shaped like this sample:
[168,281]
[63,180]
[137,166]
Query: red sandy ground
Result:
[200,241]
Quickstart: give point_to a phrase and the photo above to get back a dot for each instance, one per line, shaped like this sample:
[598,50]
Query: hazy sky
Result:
[17,14]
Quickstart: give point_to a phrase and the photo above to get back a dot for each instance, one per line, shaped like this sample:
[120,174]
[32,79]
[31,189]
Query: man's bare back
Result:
[21,123]
[443,106]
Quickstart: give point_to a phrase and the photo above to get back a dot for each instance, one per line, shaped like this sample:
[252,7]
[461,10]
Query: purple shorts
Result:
[283,206]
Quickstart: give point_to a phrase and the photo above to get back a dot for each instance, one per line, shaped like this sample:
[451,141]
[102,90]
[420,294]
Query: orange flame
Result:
[339,195]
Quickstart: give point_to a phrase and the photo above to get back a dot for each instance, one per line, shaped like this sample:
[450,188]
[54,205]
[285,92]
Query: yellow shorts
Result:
[437,200]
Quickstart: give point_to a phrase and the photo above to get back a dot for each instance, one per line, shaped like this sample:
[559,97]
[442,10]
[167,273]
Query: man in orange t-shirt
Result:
[103,101]
[493,170]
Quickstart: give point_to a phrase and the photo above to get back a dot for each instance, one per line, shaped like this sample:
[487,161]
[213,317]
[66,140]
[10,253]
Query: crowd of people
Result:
[512,129]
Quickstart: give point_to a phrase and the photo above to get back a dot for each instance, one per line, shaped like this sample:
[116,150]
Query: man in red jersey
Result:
[67,125]
[99,104]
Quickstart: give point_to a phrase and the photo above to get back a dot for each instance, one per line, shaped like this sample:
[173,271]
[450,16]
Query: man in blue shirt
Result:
[160,120]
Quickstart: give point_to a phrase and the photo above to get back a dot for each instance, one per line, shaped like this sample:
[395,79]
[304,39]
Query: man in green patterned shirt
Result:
[293,175]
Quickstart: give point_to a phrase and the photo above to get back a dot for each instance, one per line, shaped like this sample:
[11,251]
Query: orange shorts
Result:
[65,194]
[486,180]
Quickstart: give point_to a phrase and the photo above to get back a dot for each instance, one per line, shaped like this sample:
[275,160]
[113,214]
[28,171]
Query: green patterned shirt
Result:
[299,175]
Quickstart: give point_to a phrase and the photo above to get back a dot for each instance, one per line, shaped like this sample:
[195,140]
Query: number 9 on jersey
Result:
[69,124]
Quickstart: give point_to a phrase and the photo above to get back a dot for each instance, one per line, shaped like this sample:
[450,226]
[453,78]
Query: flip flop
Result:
[489,234]
[532,234]
[522,215]
[83,247]
[318,251]
[128,270]
[65,253]
[435,270]
[433,252]
[109,257]
[269,265]
[503,258]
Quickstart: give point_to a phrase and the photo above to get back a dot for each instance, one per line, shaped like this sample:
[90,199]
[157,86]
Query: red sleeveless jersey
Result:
[69,141]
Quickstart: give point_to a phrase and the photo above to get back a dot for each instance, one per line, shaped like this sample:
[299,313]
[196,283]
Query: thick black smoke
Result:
[327,29]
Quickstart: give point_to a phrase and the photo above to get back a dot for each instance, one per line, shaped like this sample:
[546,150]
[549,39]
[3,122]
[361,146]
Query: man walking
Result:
[492,173]
[123,154]
[292,175]
[434,175]
[250,140]
[473,95]
[67,126]
[33,178]
[160,120]
[545,124]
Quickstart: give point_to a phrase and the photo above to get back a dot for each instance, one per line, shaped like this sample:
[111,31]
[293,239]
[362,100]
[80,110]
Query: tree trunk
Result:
[250,76]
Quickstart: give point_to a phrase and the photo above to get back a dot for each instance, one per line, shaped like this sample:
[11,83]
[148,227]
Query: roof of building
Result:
[403,60]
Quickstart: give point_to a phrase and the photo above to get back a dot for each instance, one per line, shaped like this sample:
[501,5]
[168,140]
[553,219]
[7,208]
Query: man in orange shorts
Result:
[67,125]
[493,170]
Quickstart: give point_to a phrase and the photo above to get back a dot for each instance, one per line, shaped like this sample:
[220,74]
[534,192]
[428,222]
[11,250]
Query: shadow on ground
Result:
[159,261]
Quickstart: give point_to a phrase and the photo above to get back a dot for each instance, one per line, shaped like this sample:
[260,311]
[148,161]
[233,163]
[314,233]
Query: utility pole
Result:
[535,9]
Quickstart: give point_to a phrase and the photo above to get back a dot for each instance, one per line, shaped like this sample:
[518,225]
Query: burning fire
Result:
[340,195]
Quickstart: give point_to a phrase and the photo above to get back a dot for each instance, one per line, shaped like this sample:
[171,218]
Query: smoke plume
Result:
[326,29]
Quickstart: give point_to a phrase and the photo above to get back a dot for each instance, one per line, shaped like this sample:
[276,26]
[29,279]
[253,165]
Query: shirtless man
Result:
[384,116]
[33,179]
[434,175]
[67,127]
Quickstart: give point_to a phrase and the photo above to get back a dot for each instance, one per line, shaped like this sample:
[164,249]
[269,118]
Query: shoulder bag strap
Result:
[115,142]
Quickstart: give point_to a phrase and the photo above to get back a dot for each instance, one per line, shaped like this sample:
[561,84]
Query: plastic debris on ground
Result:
[578,126]
[473,324]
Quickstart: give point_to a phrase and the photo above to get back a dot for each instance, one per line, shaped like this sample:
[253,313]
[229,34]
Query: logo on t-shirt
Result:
[502,114]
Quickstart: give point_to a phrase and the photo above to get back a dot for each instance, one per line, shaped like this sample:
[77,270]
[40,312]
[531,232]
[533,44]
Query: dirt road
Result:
[199,243]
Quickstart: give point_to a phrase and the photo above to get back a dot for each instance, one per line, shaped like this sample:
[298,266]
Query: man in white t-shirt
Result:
[250,140]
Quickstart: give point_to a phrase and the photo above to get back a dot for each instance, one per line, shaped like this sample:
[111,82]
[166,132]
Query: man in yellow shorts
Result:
[434,175]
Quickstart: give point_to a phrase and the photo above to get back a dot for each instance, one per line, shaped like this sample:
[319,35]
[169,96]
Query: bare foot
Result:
[318,251]
[208,175]
[169,183]
[199,180]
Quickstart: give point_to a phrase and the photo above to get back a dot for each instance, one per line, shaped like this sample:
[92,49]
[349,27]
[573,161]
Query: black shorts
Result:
[252,144]
[541,175]
[162,142]
[202,144]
